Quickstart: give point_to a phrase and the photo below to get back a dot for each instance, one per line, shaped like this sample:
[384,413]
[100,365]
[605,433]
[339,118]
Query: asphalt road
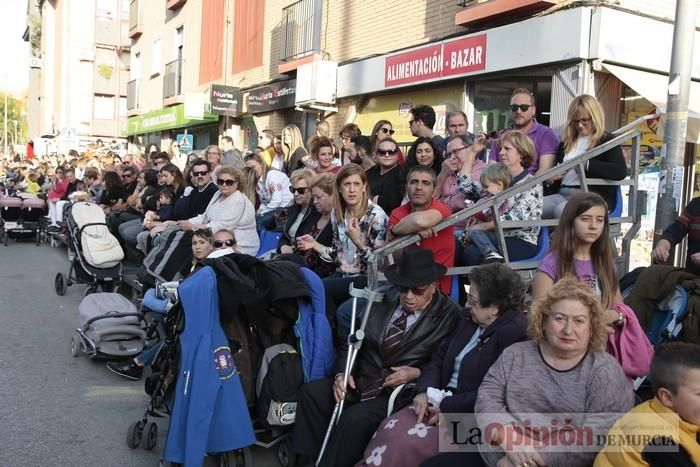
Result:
[56,410]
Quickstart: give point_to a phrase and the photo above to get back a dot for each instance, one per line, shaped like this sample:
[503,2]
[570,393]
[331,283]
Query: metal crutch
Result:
[355,339]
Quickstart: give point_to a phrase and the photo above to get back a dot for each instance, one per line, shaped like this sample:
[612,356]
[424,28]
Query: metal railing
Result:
[622,135]
[133,14]
[301,29]
[172,79]
[132,94]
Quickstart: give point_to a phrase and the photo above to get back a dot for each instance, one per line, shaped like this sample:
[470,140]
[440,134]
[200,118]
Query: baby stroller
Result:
[20,217]
[97,254]
[110,326]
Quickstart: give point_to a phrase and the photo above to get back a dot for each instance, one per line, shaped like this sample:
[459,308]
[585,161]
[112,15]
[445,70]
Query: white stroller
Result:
[111,326]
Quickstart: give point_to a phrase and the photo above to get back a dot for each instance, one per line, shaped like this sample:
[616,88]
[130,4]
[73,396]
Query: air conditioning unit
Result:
[317,84]
[34,62]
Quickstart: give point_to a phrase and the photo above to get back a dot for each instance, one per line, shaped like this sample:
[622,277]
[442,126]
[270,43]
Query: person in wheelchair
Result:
[401,334]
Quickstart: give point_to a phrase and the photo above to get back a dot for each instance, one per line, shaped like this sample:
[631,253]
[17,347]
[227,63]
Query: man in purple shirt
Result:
[522,116]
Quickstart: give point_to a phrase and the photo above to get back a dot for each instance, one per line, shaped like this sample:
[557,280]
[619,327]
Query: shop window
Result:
[492,98]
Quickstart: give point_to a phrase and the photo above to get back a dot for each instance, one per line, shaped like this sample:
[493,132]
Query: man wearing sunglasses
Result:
[522,117]
[401,334]
[422,122]
[196,200]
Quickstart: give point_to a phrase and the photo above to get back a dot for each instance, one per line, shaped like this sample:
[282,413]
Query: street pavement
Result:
[57,410]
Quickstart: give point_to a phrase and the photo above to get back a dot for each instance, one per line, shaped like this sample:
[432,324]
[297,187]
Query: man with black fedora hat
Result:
[401,334]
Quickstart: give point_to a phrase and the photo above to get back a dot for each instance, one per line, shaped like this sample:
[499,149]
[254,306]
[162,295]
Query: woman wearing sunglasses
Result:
[273,189]
[382,130]
[302,214]
[229,209]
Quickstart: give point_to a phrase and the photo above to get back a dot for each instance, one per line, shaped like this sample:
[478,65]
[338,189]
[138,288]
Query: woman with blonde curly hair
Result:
[561,379]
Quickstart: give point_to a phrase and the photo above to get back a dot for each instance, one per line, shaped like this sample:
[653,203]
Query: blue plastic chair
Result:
[542,247]
[617,211]
[268,241]
[454,288]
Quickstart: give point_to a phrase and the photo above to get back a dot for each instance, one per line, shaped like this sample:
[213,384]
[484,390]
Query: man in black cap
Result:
[401,334]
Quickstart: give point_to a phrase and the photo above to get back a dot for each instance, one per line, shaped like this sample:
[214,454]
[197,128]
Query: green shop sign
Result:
[165,119]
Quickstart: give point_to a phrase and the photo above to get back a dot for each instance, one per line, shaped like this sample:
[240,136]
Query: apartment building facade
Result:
[80,71]
[386,57]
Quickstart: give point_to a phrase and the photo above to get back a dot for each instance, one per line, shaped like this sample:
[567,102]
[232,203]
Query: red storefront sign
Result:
[434,61]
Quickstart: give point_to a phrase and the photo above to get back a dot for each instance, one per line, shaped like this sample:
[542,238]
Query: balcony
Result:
[132,96]
[135,26]
[172,82]
[498,11]
[174,4]
[301,33]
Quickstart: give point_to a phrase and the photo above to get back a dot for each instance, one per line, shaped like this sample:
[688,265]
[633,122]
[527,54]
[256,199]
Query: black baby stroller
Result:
[96,253]
[110,326]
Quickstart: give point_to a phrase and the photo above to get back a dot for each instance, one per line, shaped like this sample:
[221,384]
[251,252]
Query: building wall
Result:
[158,23]
[661,9]
[70,59]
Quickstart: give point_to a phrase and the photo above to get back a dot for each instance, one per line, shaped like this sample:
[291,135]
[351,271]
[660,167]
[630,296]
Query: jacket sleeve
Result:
[675,232]
[431,373]
[610,165]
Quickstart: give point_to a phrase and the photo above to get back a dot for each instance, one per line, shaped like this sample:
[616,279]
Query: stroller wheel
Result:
[5,238]
[37,239]
[285,456]
[75,346]
[151,438]
[239,458]
[135,434]
[60,284]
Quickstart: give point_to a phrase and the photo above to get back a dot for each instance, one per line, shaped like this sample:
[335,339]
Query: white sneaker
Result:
[492,257]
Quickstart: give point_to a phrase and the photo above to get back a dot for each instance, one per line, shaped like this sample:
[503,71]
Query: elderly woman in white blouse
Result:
[229,209]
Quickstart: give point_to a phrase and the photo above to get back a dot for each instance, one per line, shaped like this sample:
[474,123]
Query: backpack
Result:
[278,383]
[166,261]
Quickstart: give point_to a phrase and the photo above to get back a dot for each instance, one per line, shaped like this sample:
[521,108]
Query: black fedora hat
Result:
[415,267]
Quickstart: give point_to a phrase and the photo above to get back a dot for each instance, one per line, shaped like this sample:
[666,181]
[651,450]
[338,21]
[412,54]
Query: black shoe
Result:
[128,370]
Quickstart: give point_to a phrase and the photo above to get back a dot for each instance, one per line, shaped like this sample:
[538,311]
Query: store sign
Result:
[456,57]
[164,119]
[274,96]
[225,100]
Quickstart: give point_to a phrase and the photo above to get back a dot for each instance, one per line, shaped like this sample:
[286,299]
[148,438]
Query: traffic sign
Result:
[186,142]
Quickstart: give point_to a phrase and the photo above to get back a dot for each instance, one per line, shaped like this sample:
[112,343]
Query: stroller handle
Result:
[113,314]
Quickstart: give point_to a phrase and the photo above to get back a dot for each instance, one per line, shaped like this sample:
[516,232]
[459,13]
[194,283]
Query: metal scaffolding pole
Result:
[676,126]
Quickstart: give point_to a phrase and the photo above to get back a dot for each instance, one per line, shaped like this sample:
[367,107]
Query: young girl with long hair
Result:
[582,249]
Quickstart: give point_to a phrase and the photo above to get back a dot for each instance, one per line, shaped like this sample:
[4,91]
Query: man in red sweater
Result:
[420,215]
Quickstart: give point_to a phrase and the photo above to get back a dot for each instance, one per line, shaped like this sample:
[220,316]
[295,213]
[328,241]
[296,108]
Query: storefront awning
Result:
[654,88]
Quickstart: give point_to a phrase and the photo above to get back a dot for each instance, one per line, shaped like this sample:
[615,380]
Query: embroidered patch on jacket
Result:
[223,362]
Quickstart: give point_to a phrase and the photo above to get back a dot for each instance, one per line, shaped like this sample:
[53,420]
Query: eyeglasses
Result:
[454,153]
[213,151]
[414,290]
[386,152]
[200,174]
[221,243]
[522,107]
[472,300]
[301,190]
[227,182]
[584,121]
[387,131]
